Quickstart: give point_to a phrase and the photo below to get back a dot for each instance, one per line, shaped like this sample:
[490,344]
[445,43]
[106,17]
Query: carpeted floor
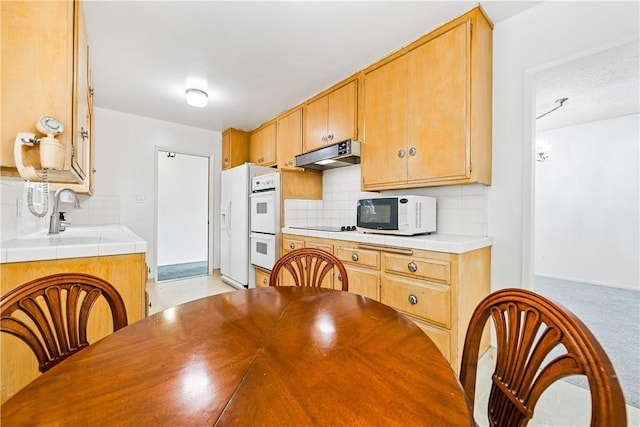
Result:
[180,271]
[613,316]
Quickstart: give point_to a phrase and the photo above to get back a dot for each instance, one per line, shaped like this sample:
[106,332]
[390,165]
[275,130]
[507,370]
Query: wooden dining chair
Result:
[50,314]
[528,327]
[309,267]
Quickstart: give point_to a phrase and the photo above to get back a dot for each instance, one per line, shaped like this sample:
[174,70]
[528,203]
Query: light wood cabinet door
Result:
[331,118]
[384,158]
[363,282]
[341,121]
[289,139]
[427,110]
[315,124]
[60,89]
[235,148]
[262,278]
[262,145]
[438,101]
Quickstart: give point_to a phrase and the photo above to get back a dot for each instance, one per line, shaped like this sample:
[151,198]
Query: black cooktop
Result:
[331,228]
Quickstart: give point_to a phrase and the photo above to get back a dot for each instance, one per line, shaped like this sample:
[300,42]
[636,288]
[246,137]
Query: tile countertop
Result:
[75,242]
[450,243]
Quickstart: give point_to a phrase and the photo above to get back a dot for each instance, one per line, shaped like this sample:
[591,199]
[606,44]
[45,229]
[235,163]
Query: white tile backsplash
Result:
[460,209]
[17,220]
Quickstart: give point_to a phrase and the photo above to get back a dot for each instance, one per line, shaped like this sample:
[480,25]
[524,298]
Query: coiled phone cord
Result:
[45,197]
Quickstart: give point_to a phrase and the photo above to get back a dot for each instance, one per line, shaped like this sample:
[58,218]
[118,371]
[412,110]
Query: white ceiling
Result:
[598,87]
[255,59]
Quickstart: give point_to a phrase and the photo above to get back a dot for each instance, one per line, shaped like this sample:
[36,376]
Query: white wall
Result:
[535,38]
[587,224]
[183,202]
[125,167]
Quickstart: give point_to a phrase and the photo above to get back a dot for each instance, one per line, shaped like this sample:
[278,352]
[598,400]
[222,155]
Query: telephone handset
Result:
[52,153]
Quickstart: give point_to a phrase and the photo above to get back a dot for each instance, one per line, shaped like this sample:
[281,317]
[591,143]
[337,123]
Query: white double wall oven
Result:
[265,220]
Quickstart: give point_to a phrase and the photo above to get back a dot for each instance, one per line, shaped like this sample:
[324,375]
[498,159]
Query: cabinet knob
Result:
[413,151]
[412,266]
[339,277]
[401,153]
[292,246]
[324,139]
[413,300]
[354,256]
[330,137]
[226,159]
[84,133]
[264,281]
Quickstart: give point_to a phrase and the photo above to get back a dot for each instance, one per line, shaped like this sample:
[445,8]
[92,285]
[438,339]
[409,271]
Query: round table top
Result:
[265,356]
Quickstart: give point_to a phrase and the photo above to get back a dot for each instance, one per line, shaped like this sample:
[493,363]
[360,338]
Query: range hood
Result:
[345,153]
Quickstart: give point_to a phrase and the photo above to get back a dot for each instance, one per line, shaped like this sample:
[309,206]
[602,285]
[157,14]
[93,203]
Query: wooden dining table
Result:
[276,356]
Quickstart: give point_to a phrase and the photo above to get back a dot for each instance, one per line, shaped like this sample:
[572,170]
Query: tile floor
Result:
[562,405]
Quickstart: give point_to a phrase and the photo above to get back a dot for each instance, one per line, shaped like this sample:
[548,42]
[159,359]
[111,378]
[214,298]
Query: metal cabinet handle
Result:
[413,300]
[330,137]
[401,153]
[84,133]
[354,256]
[412,266]
[264,281]
[292,246]
[324,139]
[339,277]
[413,151]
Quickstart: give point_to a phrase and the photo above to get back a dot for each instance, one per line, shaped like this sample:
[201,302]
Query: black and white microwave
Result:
[403,215]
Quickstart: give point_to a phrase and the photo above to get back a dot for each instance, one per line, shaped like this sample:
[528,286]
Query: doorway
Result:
[182,215]
[584,226]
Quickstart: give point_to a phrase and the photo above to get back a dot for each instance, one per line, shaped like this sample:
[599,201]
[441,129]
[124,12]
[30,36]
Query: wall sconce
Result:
[197,97]
[542,151]
[541,156]
[171,154]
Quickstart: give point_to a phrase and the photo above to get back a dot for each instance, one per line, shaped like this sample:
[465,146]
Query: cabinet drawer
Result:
[289,244]
[324,247]
[440,337]
[364,282]
[262,278]
[361,257]
[429,301]
[421,268]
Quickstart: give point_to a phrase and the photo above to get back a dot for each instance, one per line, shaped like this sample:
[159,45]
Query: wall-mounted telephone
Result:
[52,153]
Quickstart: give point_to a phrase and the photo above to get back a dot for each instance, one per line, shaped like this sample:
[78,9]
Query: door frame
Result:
[529,160]
[210,208]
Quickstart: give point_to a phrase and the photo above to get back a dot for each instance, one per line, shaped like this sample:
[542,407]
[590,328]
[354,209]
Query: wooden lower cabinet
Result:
[437,290]
[262,278]
[127,273]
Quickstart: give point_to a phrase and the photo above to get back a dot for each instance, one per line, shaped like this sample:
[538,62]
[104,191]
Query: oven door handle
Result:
[262,236]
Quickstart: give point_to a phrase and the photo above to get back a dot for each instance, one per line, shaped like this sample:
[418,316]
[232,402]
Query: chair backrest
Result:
[50,314]
[309,267]
[528,327]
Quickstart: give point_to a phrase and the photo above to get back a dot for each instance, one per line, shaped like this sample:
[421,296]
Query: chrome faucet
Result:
[57,222]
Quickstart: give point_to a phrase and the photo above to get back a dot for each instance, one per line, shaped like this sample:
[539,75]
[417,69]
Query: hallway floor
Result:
[563,404]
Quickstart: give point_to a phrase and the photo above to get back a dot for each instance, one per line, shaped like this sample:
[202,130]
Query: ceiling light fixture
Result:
[197,98]
[560,103]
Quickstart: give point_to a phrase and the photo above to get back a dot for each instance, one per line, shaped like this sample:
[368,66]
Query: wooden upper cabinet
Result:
[262,145]
[235,148]
[61,89]
[331,118]
[427,110]
[289,138]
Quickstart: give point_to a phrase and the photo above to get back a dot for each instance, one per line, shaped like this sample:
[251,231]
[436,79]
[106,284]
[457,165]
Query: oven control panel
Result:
[264,182]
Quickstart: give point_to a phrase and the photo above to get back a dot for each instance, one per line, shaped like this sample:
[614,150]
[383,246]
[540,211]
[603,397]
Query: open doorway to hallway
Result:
[586,222]
[183,188]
